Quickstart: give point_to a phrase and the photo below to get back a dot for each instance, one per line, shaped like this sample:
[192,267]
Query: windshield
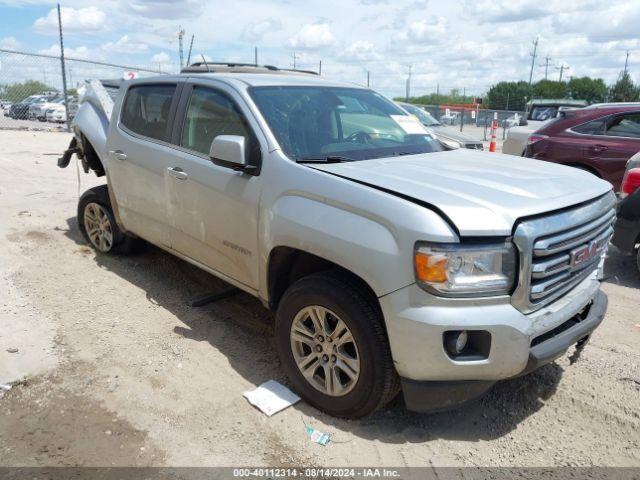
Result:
[542,113]
[343,124]
[425,117]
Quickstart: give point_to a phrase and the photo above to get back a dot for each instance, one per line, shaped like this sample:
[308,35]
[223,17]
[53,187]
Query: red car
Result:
[599,138]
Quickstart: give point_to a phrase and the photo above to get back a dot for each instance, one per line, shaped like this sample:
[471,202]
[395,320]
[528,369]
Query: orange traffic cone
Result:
[494,129]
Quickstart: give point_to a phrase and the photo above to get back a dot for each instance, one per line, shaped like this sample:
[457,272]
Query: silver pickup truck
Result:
[389,263]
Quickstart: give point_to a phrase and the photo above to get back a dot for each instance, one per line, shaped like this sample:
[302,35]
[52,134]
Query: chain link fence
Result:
[31,87]
[475,120]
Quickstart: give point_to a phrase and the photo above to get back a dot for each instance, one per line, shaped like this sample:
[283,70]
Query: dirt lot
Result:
[114,368]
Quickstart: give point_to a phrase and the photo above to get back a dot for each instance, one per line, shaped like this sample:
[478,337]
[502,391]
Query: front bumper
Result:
[430,396]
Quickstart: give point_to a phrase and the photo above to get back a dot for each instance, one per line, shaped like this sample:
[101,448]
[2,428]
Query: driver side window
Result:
[210,113]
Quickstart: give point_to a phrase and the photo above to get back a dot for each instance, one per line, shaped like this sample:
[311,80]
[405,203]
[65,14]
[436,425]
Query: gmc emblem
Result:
[588,252]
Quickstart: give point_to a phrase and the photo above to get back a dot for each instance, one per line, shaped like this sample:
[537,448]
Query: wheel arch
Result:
[286,265]
[582,166]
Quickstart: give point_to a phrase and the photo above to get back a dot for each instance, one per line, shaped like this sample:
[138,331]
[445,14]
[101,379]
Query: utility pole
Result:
[562,68]
[180,37]
[533,59]
[190,48]
[368,78]
[294,60]
[408,91]
[255,56]
[626,63]
[64,74]
[320,68]
[547,59]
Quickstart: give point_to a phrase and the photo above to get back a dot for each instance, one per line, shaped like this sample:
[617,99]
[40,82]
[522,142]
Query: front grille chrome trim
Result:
[544,245]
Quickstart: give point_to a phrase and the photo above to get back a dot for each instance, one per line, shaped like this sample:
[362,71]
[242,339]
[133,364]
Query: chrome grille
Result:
[558,251]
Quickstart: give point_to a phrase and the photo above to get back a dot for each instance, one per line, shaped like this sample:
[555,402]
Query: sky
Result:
[464,44]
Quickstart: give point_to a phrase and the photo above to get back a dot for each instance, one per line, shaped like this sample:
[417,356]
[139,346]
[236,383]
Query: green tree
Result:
[18,91]
[508,95]
[624,90]
[592,90]
[550,89]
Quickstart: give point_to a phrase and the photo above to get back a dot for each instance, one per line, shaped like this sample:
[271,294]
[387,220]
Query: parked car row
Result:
[599,139]
[43,107]
[449,137]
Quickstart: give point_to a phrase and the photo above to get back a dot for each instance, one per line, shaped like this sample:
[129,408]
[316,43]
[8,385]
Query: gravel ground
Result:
[112,367]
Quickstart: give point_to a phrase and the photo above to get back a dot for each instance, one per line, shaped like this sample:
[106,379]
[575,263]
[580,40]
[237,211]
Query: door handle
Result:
[178,173]
[119,154]
[598,148]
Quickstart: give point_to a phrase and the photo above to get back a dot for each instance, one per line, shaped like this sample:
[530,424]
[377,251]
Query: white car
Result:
[56,114]
[38,109]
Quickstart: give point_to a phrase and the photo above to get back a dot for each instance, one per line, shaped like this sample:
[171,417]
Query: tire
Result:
[94,208]
[338,298]
[638,259]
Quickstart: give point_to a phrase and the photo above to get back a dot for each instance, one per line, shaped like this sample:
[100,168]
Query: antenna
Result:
[190,48]
[205,62]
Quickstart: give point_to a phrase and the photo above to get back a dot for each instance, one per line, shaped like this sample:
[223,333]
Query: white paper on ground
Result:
[410,124]
[271,397]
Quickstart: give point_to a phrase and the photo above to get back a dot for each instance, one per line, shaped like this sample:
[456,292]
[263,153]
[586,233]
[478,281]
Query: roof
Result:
[275,79]
[260,75]
[557,101]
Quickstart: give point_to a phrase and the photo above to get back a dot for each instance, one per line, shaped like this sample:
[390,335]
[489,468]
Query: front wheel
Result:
[333,346]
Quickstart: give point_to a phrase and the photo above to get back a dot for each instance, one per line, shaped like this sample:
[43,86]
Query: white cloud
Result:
[361,50]
[88,20]
[81,52]
[313,36]
[256,31]
[432,29]
[124,45]
[161,57]
[169,9]
[10,43]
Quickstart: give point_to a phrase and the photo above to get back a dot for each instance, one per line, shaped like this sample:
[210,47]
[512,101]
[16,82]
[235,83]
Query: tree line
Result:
[515,95]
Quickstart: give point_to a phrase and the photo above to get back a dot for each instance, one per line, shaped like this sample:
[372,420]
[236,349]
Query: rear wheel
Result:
[98,225]
[333,346]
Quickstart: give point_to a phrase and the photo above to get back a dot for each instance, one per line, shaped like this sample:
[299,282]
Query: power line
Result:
[562,68]
[533,59]
[626,62]
[181,33]
[546,66]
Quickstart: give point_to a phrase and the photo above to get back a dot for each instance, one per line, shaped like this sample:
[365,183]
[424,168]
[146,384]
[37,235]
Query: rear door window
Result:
[146,110]
[594,127]
[626,125]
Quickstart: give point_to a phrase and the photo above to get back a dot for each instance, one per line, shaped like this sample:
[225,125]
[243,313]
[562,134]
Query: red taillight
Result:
[535,139]
[630,182]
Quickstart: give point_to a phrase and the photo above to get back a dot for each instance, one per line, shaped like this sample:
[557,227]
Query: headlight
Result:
[451,143]
[456,270]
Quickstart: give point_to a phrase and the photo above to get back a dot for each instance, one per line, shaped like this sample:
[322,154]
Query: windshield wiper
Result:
[327,159]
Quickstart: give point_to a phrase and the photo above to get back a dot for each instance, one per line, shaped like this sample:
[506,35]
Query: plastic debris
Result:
[5,386]
[271,397]
[317,436]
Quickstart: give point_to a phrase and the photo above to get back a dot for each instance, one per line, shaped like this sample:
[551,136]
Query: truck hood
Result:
[451,134]
[481,193]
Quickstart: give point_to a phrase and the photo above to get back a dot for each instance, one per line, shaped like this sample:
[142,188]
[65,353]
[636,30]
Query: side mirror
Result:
[228,151]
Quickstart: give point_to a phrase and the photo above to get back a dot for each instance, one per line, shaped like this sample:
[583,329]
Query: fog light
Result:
[456,342]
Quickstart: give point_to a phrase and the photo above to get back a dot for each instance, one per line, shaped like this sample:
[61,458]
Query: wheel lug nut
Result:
[333,358]
[320,338]
[318,348]
[325,358]
[329,339]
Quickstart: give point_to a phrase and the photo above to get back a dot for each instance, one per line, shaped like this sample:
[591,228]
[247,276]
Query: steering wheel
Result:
[360,137]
